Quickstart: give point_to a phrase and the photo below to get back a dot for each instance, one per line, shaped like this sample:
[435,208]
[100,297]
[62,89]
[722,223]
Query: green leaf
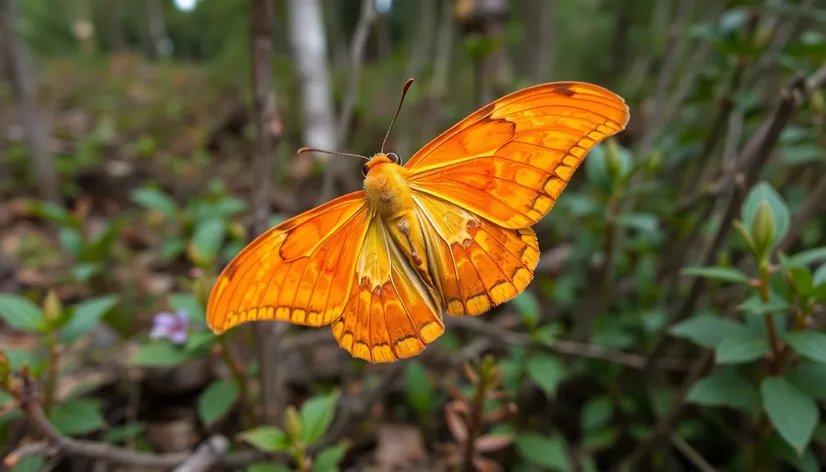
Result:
[809,256]
[754,305]
[18,357]
[810,344]
[155,199]
[819,277]
[161,354]
[741,348]
[84,316]
[121,434]
[266,438]
[596,414]
[30,464]
[726,274]
[793,413]
[419,388]
[200,341]
[801,279]
[84,272]
[267,467]
[528,307]
[21,314]
[328,459]
[642,222]
[217,400]
[544,451]
[206,241]
[71,240]
[809,377]
[708,330]
[780,212]
[547,371]
[725,388]
[77,417]
[187,303]
[316,416]
[596,168]
[52,212]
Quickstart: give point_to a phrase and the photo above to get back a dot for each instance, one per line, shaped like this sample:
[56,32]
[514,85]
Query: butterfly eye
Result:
[393,157]
[364,170]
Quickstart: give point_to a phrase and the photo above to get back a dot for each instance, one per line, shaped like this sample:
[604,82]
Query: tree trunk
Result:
[268,128]
[156,24]
[309,44]
[540,47]
[18,70]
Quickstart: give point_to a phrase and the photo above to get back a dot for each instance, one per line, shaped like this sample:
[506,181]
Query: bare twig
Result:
[667,420]
[671,60]
[813,203]
[206,455]
[560,346]
[690,453]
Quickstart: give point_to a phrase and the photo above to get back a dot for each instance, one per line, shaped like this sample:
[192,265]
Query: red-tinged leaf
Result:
[455,424]
[493,442]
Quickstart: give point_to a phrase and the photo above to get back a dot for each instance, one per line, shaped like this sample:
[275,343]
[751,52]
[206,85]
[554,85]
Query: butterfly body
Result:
[447,232]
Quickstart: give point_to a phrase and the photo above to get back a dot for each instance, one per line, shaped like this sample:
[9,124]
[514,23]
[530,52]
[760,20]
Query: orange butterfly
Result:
[450,230]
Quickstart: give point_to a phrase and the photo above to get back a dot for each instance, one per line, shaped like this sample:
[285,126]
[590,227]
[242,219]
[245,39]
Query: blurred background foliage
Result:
[675,322]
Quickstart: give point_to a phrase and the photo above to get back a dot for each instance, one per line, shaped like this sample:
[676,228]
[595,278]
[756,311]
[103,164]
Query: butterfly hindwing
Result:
[298,271]
[476,264]
[510,161]
[391,313]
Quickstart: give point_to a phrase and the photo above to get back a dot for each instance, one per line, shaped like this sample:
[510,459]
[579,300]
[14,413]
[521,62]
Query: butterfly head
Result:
[378,159]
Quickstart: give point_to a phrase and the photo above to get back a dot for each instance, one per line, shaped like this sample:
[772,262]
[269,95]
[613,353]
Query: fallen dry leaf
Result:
[398,447]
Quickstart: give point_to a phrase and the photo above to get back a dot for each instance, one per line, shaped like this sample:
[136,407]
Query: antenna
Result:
[334,153]
[404,92]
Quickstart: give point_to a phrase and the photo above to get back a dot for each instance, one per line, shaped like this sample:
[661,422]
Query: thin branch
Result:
[671,60]
[560,346]
[206,455]
[690,453]
[810,207]
[667,420]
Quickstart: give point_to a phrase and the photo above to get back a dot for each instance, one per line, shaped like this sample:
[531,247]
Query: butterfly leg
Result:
[406,232]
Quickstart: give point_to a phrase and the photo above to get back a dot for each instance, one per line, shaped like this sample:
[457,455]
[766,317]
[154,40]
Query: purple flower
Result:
[172,326]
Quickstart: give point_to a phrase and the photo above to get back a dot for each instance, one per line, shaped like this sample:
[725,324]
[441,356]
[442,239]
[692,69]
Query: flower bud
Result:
[292,422]
[763,229]
[52,307]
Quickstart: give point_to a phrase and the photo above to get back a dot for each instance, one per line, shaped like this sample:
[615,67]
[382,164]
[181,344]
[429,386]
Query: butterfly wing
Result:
[510,161]
[298,271]
[391,313]
[474,263]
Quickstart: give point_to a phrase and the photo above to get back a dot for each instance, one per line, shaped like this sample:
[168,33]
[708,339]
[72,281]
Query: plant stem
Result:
[241,379]
[51,373]
[767,317]
[475,419]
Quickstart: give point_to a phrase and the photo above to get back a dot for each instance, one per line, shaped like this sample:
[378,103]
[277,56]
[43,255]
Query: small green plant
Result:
[57,328]
[771,360]
[304,428]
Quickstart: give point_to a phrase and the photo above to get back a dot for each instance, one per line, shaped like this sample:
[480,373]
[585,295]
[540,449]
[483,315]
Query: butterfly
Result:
[449,231]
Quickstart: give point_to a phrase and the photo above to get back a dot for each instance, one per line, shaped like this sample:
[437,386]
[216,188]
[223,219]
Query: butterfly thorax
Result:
[386,188]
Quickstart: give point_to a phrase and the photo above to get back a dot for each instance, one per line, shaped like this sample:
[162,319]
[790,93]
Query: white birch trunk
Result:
[309,44]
